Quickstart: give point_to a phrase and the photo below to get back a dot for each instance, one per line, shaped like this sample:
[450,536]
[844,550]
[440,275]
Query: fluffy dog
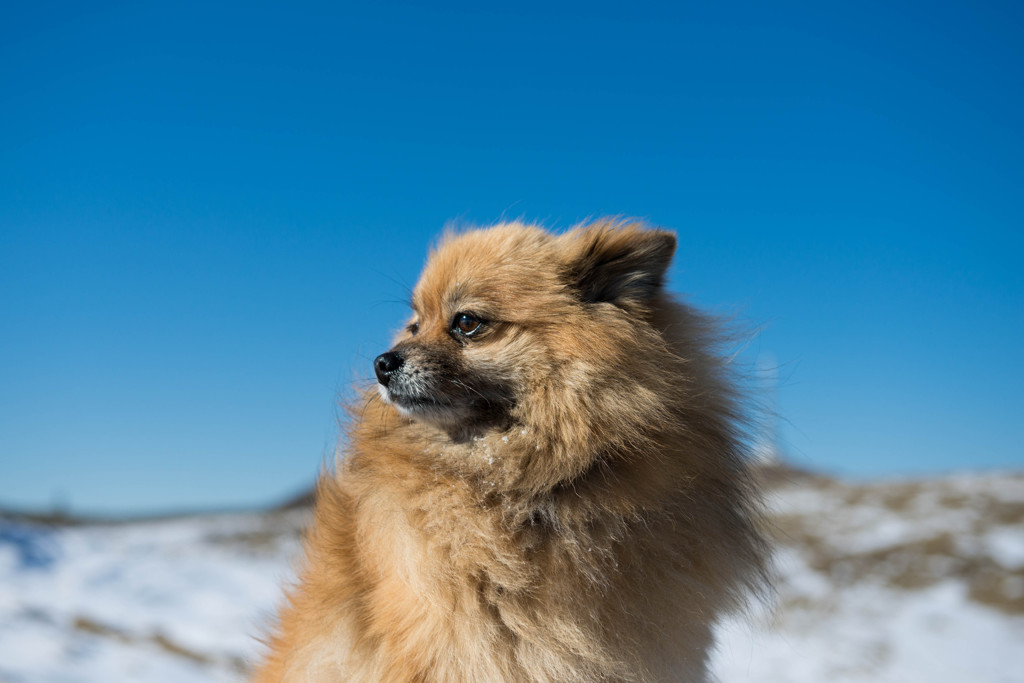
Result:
[549,482]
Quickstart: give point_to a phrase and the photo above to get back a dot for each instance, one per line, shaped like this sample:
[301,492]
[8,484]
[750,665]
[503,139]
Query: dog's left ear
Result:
[624,265]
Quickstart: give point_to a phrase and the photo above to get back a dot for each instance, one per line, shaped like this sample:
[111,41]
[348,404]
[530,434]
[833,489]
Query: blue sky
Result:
[210,214]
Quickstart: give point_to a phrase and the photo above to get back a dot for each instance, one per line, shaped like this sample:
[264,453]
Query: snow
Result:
[873,634]
[905,581]
[177,600]
[875,584]
[1007,546]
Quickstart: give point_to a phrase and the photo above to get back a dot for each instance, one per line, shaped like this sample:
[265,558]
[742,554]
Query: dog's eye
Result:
[413,328]
[465,324]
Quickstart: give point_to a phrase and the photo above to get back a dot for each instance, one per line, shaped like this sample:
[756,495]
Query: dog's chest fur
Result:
[457,585]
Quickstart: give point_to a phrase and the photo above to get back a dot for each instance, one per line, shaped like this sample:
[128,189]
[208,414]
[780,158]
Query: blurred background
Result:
[211,215]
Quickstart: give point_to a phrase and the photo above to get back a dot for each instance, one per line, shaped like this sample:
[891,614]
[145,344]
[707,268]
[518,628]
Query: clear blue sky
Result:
[210,213]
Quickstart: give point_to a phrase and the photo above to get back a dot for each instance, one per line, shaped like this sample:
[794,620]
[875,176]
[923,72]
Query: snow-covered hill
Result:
[903,581]
[913,581]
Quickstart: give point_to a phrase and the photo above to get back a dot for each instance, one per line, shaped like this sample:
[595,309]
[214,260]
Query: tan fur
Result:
[591,527]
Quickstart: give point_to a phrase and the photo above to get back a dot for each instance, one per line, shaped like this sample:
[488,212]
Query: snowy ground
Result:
[899,582]
[174,600]
[906,581]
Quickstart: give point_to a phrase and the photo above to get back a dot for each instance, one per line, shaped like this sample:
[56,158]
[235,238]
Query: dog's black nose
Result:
[385,365]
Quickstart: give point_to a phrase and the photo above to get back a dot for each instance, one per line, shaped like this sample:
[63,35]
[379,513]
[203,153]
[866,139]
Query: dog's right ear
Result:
[623,264]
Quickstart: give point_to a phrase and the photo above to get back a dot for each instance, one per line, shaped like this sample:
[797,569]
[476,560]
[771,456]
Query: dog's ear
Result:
[622,264]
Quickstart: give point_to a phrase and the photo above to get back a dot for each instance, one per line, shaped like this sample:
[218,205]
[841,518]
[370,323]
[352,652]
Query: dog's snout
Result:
[385,365]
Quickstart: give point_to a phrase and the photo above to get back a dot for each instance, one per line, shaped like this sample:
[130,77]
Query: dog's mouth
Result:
[461,412]
[412,403]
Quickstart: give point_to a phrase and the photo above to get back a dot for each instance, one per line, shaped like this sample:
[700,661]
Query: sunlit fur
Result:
[580,509]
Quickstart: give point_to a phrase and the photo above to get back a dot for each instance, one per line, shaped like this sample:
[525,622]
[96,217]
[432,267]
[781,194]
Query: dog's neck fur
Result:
[575,538]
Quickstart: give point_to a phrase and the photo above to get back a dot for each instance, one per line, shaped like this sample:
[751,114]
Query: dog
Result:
[549,482]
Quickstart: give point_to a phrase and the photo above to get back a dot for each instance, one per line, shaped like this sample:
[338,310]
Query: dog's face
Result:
[505,315]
